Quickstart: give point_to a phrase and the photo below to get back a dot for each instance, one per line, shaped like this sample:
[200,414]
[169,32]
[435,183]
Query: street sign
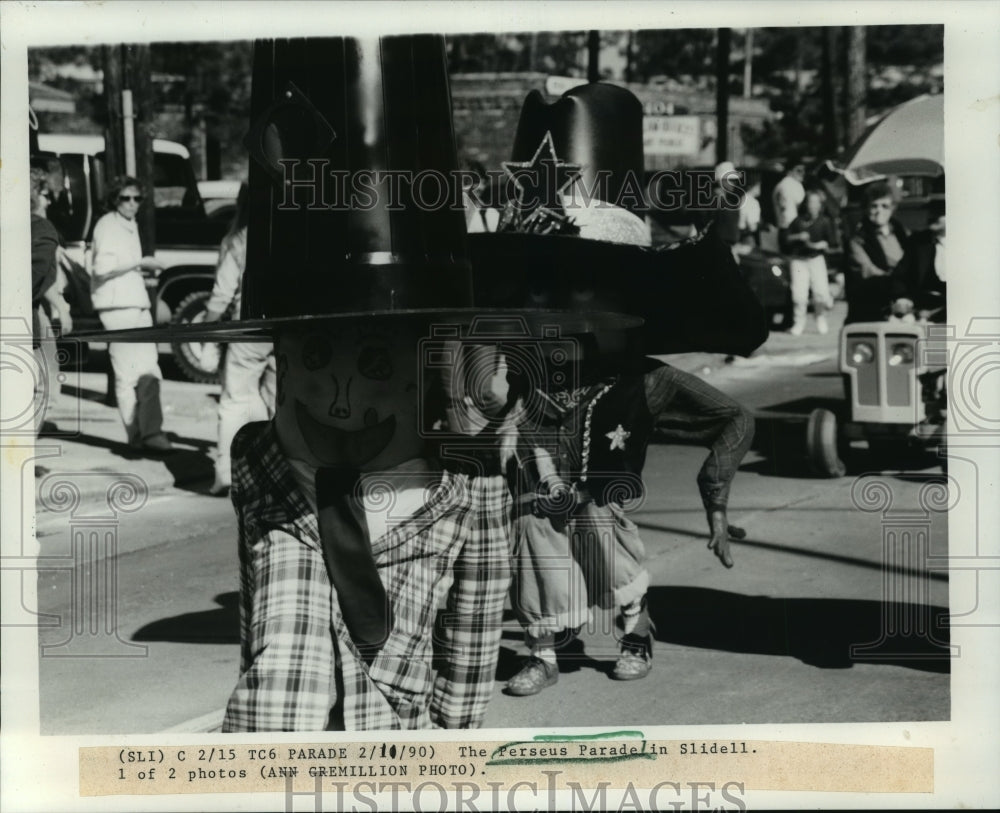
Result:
[558,85]
[671,135]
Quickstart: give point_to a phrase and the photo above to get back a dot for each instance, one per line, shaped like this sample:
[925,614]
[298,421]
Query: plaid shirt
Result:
[299,669]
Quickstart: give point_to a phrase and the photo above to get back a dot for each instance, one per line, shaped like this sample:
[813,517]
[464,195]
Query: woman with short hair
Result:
[807,241]
[874,251]
[118,291]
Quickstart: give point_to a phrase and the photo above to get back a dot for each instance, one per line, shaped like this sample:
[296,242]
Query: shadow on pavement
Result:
[855,561]
[218,626]
[118,448]
[198,443]
[191,469]
[819,632]
[84,393]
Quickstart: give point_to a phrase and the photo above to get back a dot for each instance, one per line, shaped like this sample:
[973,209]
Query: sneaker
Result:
[797,328]
[534,676]
[636,658]
[822,326]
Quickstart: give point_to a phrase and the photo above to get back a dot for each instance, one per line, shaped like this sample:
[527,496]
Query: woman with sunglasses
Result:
[875,250]
[118,290]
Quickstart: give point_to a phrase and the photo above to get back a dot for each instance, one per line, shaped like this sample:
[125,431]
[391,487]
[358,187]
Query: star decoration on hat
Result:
[618,436]
[540,180]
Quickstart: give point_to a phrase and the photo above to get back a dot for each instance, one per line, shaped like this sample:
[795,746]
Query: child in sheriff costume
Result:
[373,544]
[572,237]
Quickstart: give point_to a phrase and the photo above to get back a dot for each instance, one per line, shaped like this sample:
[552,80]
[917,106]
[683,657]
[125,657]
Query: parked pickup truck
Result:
[187,238]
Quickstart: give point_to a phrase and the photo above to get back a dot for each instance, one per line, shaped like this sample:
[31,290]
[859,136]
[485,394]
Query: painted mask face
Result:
[349,396]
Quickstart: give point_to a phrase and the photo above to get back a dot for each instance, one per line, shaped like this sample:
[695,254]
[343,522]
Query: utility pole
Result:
[628,57]
[128,142]
[722,95]
[114,135]
[748,64]
[831,117]
[857,84]
[593,56]
[138,82]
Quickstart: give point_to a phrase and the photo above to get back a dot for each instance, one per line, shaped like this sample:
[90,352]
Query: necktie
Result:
[349,560]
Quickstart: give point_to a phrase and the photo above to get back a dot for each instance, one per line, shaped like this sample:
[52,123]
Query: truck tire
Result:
[200,362]
[822,447]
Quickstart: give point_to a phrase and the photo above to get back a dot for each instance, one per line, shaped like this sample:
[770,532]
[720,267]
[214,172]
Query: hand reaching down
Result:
[720,532]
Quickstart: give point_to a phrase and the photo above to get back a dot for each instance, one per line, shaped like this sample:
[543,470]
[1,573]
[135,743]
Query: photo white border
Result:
[40,773]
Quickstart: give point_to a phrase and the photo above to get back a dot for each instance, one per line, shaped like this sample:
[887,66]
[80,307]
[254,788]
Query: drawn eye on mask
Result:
[316,352]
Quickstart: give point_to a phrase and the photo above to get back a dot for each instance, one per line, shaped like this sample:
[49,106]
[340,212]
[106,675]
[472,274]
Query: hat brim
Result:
[691,297]
[491,322]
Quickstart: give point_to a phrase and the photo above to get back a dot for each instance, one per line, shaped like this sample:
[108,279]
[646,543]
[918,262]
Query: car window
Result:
[914,186]
[174,181]
[70,211]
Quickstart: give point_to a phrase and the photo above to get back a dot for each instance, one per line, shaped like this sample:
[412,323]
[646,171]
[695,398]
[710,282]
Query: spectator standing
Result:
[248,373]
[834,188]
[750,215]
[809,237]
[728,201]
[44,294]
[875,250]
[789,194]
[119,294]
[737,210]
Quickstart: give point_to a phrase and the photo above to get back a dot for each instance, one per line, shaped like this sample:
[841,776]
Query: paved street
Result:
[768,641]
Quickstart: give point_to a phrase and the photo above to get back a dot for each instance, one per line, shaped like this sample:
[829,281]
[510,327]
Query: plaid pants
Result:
[300,670]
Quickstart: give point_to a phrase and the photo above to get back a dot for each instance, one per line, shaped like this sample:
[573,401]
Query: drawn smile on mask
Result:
[334,446]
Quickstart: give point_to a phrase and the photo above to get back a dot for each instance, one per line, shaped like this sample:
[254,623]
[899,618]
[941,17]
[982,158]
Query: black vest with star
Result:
[620,427]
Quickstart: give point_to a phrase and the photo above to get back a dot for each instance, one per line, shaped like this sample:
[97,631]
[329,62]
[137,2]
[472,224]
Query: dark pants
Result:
[868,300]
[687,410]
